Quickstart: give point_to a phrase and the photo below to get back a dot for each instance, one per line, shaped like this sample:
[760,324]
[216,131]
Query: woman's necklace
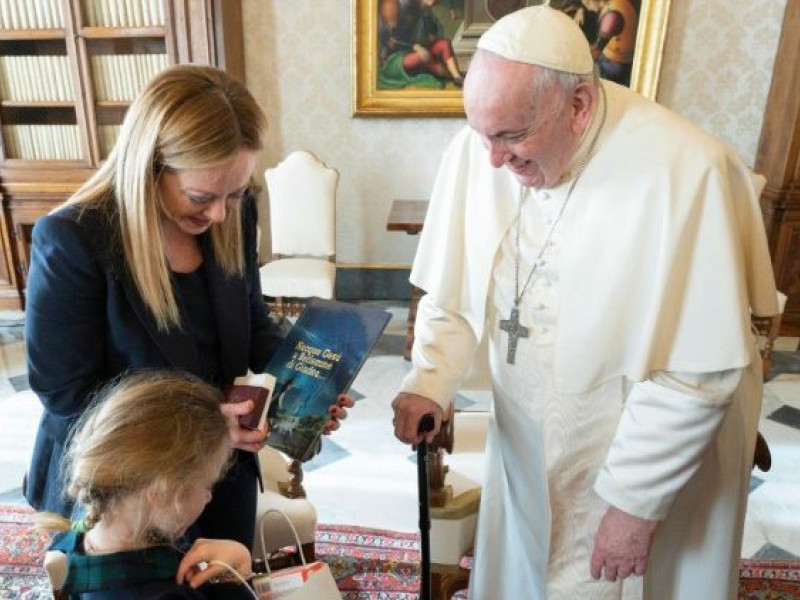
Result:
[512,326]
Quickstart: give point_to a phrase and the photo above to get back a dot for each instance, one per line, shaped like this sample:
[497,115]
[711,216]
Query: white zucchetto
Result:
[540,35]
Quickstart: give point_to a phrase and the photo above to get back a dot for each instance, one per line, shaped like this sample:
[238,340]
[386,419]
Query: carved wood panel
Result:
[778,159]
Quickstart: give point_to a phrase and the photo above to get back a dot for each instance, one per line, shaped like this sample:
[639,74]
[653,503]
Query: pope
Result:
[610,255]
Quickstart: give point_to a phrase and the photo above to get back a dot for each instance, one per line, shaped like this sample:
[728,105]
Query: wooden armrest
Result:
[55,565]
[281,474]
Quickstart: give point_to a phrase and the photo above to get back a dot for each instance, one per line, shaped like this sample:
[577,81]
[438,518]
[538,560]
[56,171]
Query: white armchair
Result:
[55,565]
[280,487]
[302,202]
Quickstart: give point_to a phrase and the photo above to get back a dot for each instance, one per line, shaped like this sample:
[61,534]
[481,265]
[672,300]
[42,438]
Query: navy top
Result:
[200,322]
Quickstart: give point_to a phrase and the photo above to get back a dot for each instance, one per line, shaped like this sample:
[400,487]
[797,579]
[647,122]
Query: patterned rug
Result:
[21,551]
[769,580]
[371,564]
[368,564]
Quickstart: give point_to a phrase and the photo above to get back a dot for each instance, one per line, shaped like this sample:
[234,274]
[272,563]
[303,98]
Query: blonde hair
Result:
[187,117]
[151,430]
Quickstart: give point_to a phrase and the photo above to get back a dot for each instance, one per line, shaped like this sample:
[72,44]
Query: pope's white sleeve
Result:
[666,426]
[443,347]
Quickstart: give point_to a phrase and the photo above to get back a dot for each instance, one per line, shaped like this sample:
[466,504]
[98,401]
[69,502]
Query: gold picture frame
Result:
[370,101]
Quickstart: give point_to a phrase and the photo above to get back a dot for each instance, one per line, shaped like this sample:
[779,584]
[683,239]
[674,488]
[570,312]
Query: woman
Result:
[152,263]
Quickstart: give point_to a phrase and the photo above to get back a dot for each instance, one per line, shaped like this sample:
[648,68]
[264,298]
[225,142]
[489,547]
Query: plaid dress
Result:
[138,574]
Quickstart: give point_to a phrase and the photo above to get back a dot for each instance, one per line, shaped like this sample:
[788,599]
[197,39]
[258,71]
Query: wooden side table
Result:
[408,216]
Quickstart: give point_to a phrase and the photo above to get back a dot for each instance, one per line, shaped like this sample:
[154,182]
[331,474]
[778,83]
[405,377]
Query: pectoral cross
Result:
[515,331]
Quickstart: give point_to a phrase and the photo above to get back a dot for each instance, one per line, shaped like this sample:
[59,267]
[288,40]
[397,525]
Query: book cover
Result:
[317,361]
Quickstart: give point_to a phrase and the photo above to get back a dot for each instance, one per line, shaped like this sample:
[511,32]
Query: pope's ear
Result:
[584,99]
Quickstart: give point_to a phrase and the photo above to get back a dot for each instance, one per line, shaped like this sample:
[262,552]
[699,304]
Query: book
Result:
[257,388]
[317,361]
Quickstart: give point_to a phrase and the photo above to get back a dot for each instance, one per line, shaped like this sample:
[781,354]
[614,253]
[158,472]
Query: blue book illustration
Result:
[317,361]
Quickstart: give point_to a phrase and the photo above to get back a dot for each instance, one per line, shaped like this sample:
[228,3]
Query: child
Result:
[142,463]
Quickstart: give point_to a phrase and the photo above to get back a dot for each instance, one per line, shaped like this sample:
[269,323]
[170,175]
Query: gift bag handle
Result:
[263,542]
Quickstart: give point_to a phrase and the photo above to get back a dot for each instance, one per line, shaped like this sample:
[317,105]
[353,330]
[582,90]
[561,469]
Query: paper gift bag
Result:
[312,581]
[309,581]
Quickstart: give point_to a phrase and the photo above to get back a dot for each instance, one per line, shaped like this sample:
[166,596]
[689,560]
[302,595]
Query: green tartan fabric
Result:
[119,570]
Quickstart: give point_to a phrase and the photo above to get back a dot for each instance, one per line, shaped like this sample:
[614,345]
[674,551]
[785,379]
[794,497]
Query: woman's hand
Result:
[253,441]
[241,438]
[211,552]
[338,412]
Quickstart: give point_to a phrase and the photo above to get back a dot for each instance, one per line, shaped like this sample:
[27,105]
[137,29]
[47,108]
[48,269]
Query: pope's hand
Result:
[408,411]
[621,545]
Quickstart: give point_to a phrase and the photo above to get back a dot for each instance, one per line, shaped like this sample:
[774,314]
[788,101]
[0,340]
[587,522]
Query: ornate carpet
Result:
[769,579]
[371,564]
[368,564]
[21,551]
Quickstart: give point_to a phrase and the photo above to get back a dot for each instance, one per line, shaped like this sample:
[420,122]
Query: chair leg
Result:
[762,457]
[294,487]
[416,295]
[445,584]
[281,560]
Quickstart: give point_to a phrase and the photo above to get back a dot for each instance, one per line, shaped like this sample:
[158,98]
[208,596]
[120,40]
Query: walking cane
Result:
[425,425]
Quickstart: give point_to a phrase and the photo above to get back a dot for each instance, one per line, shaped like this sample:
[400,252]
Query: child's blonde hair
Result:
[157,431]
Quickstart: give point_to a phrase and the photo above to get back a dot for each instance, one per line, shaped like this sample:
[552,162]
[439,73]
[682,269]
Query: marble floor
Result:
[364,476]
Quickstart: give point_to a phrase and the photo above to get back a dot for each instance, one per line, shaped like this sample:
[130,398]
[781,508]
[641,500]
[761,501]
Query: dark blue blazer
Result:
[85,324]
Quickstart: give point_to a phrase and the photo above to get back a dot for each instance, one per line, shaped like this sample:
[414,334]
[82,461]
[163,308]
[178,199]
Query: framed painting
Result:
[410,56]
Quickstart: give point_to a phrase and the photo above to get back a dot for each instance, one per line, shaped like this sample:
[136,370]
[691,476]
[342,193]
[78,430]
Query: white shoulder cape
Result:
[664,259]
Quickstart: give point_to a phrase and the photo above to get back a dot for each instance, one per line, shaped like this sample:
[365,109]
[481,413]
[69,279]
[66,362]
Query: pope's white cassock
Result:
[639,384]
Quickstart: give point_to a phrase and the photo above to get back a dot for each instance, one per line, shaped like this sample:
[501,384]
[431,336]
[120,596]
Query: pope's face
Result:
[533,140]
[195,199]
